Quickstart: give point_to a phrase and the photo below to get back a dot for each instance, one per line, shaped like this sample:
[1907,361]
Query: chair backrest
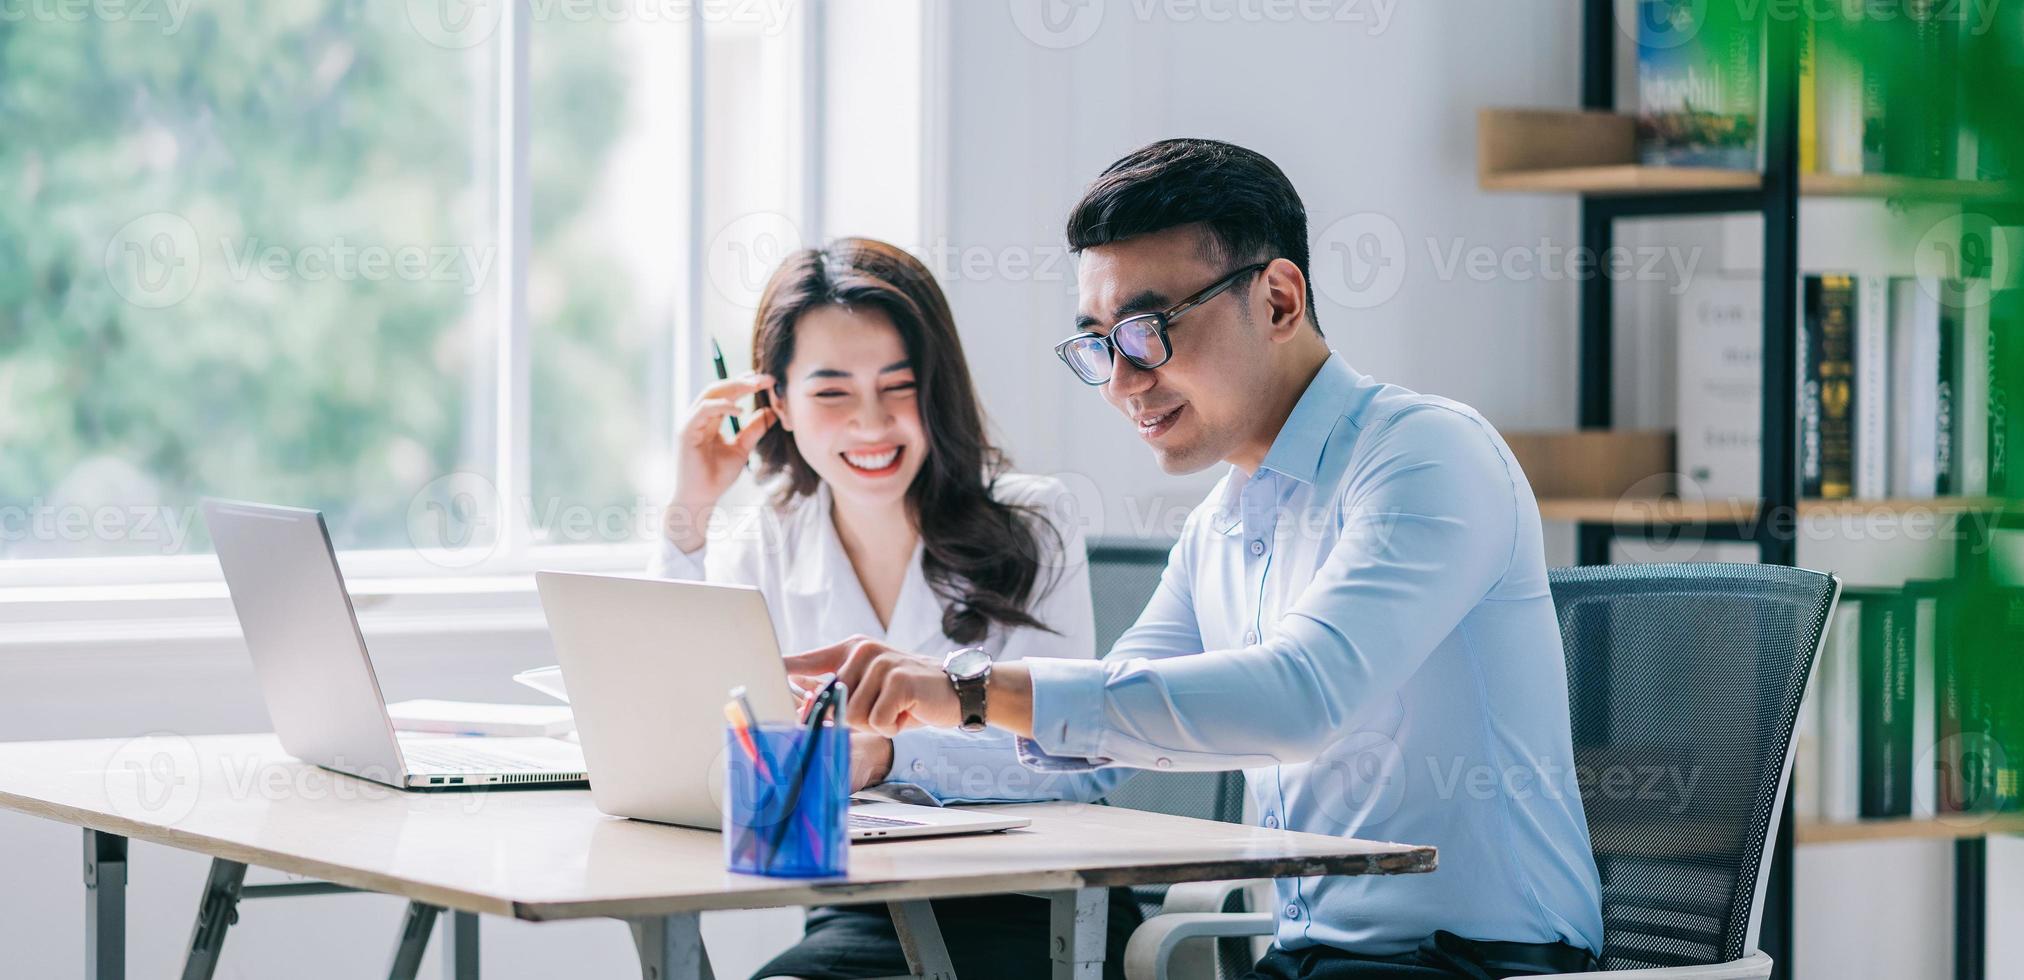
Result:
[1122,577]
[1684,684]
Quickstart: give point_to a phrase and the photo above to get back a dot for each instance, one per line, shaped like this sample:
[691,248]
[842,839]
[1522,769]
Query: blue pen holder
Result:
[769,829]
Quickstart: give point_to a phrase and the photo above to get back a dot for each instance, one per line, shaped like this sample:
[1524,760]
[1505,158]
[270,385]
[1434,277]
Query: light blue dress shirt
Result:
[1383,662]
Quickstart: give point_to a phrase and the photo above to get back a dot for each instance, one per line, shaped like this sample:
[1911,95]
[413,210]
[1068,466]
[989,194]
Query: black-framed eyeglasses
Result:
[1142,338]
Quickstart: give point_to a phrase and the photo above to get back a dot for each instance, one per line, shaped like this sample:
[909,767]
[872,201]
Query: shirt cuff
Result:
[672,562]
[1032,757]
[1068,706]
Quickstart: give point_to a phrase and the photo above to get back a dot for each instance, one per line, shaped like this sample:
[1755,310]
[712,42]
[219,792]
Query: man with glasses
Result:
[1358,615]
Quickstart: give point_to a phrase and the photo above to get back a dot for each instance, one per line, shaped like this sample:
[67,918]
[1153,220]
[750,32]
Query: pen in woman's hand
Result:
[723,374]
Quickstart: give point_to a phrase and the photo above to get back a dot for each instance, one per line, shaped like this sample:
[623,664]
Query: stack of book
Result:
[1879,88]
[1915,708]
[1903,391]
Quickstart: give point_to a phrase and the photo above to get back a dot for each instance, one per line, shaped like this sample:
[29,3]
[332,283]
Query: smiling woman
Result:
[875,400]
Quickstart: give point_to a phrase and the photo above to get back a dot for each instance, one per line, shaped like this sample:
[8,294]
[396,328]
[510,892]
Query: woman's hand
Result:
[871,759]
[706,461]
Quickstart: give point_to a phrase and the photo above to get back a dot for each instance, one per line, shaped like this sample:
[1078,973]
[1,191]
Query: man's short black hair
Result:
[1244,199]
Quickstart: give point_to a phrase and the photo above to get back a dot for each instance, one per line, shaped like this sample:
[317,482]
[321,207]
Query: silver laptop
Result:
[649,663]
[317,676]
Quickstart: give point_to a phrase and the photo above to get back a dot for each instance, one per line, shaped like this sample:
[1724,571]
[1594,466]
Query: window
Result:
[445,272]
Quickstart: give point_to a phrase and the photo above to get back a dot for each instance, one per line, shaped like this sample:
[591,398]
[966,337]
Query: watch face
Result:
[967,663]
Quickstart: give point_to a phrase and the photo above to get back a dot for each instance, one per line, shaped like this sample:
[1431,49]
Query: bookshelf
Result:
[1633,511]
[1593,153]
[1590,154]
[1954,827]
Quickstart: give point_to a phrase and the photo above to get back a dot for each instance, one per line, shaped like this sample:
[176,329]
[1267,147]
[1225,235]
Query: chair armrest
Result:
[1152,945]
[1203,896]
[1755,966]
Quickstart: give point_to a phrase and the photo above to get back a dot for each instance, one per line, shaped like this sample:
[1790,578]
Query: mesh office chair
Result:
[1691,669]
[1122,578]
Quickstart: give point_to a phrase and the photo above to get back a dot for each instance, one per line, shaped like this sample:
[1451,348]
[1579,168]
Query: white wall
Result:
[1380,124]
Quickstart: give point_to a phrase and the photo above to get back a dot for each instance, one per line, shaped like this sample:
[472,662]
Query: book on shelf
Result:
[1871,390]
[1916,705]
[1886,663]
[1721,386]
[1980,707]
[1899,398]
[1921,109]
[1918,321]
[1886,91]
[1827,411]
[1699,84]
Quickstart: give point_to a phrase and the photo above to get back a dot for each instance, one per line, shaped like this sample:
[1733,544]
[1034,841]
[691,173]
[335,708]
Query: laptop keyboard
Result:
[450,757]
[865,821]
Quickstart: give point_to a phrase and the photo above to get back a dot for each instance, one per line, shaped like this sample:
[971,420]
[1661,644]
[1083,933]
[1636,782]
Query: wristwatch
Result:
[969,671]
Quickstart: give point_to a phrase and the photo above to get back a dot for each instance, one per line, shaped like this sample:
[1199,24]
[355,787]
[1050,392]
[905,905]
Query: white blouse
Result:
[793,556]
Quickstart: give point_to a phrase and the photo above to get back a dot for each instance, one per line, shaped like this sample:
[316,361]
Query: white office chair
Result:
[1697,666]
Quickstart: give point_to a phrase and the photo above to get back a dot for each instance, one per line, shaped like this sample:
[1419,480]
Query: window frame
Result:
[81,589]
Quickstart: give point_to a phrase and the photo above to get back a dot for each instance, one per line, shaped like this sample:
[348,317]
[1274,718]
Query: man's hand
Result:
[871,759]
[890,690]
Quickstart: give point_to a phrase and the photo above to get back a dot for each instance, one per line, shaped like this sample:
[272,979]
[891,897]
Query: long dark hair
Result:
[981,556]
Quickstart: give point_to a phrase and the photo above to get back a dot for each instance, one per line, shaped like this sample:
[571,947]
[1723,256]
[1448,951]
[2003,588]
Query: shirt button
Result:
[1271,822]
[1293,911]
[1163,762]
[920,766]
[1257,547]
[1250,637]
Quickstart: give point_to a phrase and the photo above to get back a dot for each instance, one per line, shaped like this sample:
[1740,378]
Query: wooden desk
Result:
[549,854]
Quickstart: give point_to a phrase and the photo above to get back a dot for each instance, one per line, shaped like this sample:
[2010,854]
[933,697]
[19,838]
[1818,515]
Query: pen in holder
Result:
[786,797]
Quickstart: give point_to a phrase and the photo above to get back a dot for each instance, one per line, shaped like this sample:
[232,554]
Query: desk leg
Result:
[1081,923]
[105,878]
[416,925]
[217,910]
[460,954]
[921,940]
[671,947]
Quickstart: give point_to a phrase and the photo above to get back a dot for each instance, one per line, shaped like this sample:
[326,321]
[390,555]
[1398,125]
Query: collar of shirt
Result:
[823,575]
[1296,452]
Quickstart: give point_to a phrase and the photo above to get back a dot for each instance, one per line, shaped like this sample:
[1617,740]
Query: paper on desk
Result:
[547,680]
[479,718]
